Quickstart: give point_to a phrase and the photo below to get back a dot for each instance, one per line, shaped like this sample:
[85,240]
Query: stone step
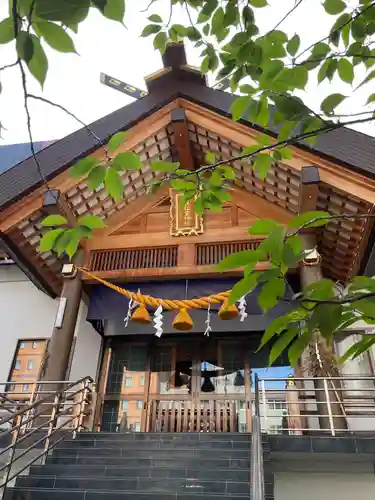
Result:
[174,436]
[54,494]
[176,485]
[140,472]
[155,461]
[156,453]
[156,444]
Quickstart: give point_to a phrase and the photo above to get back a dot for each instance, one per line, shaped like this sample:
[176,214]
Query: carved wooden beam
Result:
[182,141]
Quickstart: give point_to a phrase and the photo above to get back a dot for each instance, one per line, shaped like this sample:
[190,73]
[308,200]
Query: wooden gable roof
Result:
[345,165]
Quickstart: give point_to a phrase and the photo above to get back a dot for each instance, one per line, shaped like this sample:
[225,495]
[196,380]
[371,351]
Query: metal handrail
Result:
[341,404]
[60,404]
[257,471]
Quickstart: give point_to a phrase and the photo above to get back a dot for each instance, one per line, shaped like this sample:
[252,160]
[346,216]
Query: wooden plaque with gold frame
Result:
[184,221]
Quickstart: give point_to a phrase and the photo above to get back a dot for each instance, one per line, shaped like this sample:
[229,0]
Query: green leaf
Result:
[370,99]
[358,29]
[334,7]
[96,177]
[48,240]
[83,167]
[91,221]
[38,64]
[291,107]
[164,166]
[307,219]
[281,344]
[327,70]
[239,106]
[25,46]
[127,161]
[54,220]
[366,307]
[271,294]
[192,33]
[155,18]
[111,9]
[263,227]
[181,185]
[6,30]
[150,29]
[369,77]
[321,290]
[296,349]
[160,42]
[243,287]
[114,184]
[227,172]
[274,328]
[73,243]
[199,205]
[217,22]
[56,37]
[357,349]
[293,45]
[262,164]
[258,3]
[116,141]
[362,283]
[345,69]
[326,318]
[239,259]
[66,11]
[331,102]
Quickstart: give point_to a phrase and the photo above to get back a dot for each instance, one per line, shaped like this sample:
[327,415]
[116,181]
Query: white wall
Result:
[324,486]
[27,313]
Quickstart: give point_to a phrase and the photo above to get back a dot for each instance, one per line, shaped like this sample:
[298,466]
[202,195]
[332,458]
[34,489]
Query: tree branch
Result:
[75,117]
[7,66]
[297,4]
[278,144]
[358,14]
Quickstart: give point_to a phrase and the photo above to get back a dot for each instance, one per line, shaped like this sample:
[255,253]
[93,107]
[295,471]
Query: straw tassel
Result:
[228,312]
[183,321]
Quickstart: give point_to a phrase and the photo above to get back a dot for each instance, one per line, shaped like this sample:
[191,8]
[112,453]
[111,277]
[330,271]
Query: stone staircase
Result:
[106,466]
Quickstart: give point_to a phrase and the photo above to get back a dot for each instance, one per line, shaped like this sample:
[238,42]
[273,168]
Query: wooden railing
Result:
[214,415]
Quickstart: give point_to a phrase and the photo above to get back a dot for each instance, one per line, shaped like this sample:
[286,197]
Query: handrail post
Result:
[329,408]
[257,474]
[82,405]
[52,424]
[15,436]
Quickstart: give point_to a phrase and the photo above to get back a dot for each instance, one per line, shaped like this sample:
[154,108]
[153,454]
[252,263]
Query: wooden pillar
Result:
[310,274]
[62,338]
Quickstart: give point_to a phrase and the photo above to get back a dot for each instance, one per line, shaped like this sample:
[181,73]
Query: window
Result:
[142,381]
[277,405]
[22,345]
[139,405]
[17,364]
[275,429]
[128,382]
[124,405]
[25,388]
[35,345]
[137,427]
[30,364]
[11,388]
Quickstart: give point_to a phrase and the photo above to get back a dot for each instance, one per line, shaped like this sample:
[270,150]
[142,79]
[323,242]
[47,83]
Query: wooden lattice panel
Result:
[340,242]
[140,258]
[156,147]
[210,254]
[281,185]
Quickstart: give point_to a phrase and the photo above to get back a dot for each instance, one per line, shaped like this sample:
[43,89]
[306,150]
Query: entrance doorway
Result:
[178,386]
